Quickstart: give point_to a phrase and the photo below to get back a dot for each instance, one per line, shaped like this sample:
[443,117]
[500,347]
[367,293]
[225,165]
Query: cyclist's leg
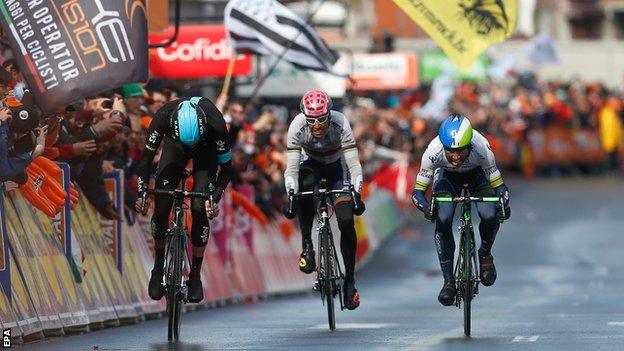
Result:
[170,167]
[337,176]
[201,227]
[168,175]
[488,227]
[309,176]
[444,241]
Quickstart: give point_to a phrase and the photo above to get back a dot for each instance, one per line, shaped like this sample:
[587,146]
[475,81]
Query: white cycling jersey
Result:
[337,142]
[481,155]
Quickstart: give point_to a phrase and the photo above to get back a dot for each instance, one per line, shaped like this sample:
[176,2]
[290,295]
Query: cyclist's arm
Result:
[425,175]
[488,163]
[221,142]
[158,127]
[492,172]
[350,152]
[293,155]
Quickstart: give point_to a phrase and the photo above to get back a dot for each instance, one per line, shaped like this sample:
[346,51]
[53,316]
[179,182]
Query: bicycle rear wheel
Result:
[174,280]
[467,283]
[327,253]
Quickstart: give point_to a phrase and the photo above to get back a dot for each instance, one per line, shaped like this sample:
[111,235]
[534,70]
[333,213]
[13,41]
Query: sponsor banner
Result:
[434,63]
[220,230]
[71,49]
[23,305]
[29,251]
[242,219]
[113,183]
[384,71]
[100,267]
[50,267]
[7,316]
[217,286]
[5,272]
[287,80]
[199,51]
[382,216]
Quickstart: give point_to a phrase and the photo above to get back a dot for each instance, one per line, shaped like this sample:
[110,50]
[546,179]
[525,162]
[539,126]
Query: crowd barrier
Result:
[552,146]
[72,271]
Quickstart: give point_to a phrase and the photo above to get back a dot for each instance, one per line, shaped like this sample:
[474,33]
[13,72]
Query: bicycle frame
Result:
[176,255]
[329,276]
[465,272]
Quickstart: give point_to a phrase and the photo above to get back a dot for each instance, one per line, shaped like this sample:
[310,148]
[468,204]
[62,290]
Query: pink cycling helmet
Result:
[315,103]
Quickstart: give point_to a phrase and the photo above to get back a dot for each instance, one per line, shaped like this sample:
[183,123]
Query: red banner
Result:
[199,51]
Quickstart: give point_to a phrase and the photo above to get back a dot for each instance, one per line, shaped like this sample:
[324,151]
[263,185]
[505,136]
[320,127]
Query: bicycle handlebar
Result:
[178,194]
[323,192]
[467,199]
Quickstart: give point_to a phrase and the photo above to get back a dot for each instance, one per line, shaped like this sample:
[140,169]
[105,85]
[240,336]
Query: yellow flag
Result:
[463,28]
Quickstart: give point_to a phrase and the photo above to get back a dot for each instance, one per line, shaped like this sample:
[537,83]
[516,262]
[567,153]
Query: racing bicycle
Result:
[329,275]
[466,272]
[176,256]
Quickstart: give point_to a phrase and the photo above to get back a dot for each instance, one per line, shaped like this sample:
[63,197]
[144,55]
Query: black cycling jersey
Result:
[213,138]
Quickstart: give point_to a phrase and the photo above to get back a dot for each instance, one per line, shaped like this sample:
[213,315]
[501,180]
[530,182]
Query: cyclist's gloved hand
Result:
[419,199]
[503,191]
[361,207]
[421,203]
[217,194]
[431,214]
[290,207]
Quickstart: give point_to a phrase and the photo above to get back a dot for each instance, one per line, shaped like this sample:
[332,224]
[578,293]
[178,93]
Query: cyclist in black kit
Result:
[192,128]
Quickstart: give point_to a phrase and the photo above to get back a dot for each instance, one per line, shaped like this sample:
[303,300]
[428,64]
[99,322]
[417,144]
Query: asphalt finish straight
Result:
[560,268]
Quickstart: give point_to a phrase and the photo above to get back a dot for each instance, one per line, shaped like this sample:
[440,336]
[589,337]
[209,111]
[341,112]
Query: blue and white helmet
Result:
[455,132]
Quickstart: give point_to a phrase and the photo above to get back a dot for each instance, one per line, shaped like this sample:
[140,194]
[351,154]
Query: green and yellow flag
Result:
[463,28]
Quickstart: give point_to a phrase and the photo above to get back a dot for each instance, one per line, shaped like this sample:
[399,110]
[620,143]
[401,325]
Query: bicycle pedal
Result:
[316,287]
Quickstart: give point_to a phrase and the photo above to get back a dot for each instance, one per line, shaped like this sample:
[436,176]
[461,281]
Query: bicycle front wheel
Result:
[174,281]
[467,283]
[328,263]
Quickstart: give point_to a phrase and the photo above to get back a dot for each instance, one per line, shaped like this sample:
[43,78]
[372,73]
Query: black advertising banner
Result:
[69,49]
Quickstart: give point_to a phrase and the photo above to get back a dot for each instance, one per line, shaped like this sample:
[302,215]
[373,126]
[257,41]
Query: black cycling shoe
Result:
[195,290]
[307,263]
[351,297]
[487,270]
[447,294]
[155,288]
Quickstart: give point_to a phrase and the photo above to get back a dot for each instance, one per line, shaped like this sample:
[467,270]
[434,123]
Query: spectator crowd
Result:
[100,133]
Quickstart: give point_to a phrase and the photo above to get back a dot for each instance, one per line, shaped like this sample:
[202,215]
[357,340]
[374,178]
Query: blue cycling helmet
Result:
[188,124]
[455,132]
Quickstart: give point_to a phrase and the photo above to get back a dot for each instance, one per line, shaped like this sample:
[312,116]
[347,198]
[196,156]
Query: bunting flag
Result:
[463,28]
[268,28]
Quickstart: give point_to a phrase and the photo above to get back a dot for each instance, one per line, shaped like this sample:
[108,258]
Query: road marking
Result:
[355,326]
[521,338]
[616,324]
[437,339]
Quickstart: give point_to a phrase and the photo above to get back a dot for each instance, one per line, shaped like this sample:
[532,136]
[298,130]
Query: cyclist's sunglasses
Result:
[457,149]
[317,120]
